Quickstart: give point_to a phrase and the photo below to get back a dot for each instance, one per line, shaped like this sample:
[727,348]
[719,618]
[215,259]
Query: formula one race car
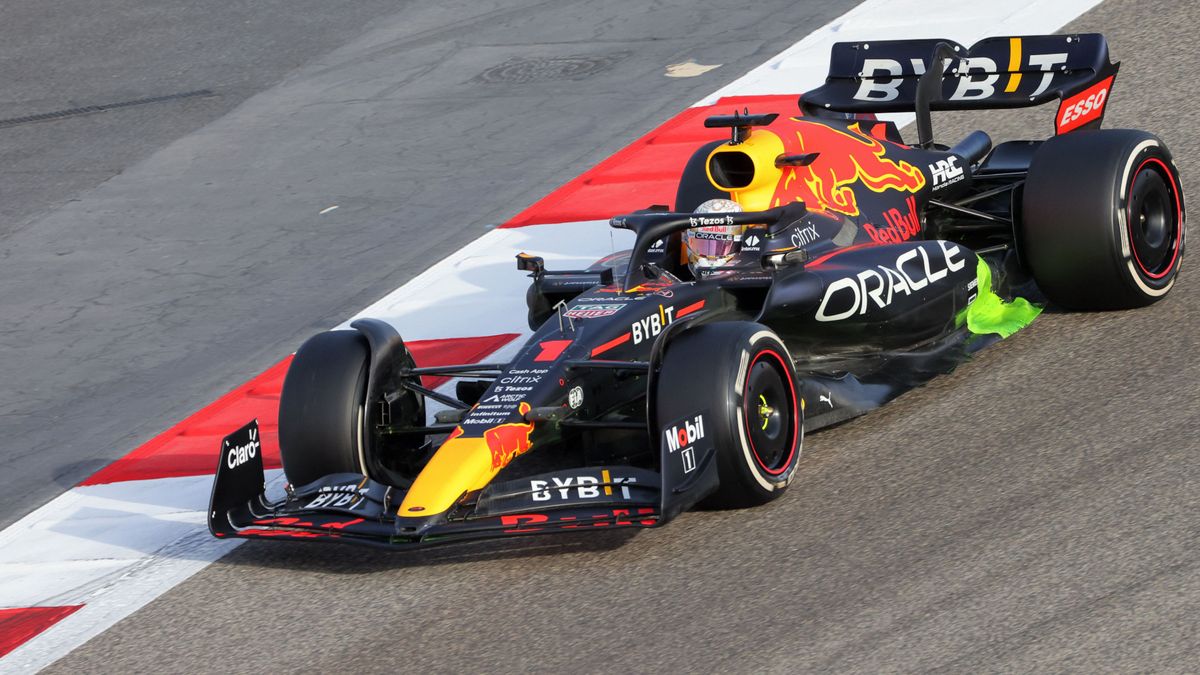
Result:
[850,267]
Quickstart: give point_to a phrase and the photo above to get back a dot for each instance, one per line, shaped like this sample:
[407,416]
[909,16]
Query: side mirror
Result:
[534,264]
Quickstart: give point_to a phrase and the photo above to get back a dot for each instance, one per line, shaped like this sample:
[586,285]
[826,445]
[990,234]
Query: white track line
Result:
[479,283]
[114,548]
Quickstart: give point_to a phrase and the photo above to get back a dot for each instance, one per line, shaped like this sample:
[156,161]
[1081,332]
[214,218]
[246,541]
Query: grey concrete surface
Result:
[203,260]
[1035,511]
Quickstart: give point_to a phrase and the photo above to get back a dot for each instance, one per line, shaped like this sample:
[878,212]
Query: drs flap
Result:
[997,72]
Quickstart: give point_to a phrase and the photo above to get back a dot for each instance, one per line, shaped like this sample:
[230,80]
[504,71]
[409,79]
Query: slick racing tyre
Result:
[1103,219]
[740,378]
[321,409]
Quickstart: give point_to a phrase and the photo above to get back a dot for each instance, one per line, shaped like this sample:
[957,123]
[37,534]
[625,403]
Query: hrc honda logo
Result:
[945,172]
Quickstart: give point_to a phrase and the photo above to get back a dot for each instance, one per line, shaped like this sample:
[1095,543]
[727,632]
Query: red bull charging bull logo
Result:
[507,441]
[845,158]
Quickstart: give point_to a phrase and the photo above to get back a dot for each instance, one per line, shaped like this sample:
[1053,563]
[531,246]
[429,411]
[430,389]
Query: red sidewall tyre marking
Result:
[782,367]
[1166,172]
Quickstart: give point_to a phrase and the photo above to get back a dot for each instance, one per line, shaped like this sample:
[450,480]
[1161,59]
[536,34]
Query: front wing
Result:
[351,508]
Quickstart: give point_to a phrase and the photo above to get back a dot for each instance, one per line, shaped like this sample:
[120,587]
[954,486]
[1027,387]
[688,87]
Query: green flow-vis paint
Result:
[991,314]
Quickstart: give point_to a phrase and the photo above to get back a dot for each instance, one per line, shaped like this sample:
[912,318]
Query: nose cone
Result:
[465,464]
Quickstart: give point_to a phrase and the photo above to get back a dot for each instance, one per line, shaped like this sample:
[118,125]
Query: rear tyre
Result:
[321,409]
[1103,219]
[740,375]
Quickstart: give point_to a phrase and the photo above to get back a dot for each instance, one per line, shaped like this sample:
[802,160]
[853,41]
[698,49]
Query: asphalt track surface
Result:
[89,328]
[1036,510]
[154,256]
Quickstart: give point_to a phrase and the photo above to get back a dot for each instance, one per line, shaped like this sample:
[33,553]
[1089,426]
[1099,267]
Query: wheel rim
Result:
[770,413]
[1153,213]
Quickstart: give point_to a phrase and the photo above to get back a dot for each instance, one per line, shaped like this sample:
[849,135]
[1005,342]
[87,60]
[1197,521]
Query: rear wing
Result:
[997,72]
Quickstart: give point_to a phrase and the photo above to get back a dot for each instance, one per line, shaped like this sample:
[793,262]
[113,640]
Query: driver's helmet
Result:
[713,245]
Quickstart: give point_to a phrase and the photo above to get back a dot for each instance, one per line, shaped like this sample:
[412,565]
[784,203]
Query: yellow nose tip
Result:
[460,465]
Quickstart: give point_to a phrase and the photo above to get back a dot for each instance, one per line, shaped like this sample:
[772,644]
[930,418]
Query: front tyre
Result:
[740,377]
[1103,219]
[321,409]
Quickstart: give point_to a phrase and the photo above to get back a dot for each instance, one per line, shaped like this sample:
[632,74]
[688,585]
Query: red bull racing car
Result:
[813,267]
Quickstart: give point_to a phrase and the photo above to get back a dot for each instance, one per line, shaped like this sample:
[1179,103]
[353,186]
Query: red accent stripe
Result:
[21,624]
[189,448]
[644,172]
[827,256]
[610,344]
[551,349]
[695,306]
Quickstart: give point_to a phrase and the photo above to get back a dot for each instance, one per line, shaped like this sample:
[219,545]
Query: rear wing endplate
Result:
[997,72]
